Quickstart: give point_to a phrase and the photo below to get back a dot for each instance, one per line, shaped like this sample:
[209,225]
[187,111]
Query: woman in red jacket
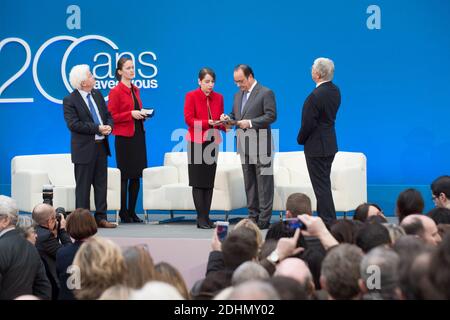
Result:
[202,109]
[131,155]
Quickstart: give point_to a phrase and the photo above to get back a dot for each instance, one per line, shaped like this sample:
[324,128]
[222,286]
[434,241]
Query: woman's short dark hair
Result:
[205,71]
[246,69]
[81,224]
[409,201]
[120,64]
[362,211]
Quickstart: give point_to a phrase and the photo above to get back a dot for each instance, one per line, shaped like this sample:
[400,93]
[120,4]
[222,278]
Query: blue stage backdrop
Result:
[392,65]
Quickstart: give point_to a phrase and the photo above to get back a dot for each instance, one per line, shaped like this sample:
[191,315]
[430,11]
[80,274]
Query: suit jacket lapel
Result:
[250,98]
[83,103]
[99,104]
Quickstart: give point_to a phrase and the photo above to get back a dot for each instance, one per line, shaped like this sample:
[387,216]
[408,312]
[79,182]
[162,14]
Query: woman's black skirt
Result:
[202,164]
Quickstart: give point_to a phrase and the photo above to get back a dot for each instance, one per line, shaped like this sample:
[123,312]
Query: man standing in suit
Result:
[318,135]
[90,123]
[254,109]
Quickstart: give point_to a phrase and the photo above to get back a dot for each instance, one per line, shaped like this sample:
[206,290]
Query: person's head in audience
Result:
[443,229]
[254,290]
[280,230]
[409,201]
[344,231]
[45,216]
[8,213]
[439,271]
[239,246]
[297,204]
[365,210]
[101,266]
[156,290]
[117,292]
[247,223]
[288,289]
[415,284]
[372,235]
[165,272]
[81,224]
[140,267]
[395,231]
[213,283]
[422,227]
[376,219]
[440,189]
[247,271]
[27,227]
[340,272]
[379,274]
[440,215]
[269,245]
[297,270]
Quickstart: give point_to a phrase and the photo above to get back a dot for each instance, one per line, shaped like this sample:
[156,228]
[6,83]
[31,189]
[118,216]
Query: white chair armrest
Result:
[351,182]
[114,178]
[26,183]
[155,177]
[231,181]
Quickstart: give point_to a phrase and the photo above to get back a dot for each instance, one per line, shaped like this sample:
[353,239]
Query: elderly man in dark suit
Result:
[318,135]
[90,123]
[21,269]
[254,110]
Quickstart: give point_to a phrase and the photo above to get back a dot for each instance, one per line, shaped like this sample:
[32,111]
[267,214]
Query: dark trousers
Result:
[319,169]
[93,173]
[259,187]
[202,201]
[130,186]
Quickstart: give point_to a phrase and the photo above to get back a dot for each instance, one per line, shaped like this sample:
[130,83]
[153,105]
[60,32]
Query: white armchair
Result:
[348,179]
[167,187]
[30,173]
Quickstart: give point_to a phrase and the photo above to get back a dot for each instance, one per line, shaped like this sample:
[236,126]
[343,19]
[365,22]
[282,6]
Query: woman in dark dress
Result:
[131,154]
[202,109]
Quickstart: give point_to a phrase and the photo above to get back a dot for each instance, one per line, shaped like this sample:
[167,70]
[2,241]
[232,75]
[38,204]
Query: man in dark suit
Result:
[318,135]
[21,269]
[254,108]
[51,236]
[90,123]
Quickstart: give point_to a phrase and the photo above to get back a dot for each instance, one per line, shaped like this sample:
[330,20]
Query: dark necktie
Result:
[244,101]
[92,108]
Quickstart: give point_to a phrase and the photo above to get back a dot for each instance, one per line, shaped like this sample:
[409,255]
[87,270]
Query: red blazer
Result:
[196,115]
[120,105]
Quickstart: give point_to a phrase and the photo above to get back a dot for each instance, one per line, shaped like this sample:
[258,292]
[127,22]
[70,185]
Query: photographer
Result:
[51,236]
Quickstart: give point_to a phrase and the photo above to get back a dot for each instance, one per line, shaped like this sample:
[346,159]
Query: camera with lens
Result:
[47,194]
[60,211]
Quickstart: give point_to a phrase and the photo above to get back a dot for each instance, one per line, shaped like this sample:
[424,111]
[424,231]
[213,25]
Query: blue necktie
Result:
[92,108]
[244,101]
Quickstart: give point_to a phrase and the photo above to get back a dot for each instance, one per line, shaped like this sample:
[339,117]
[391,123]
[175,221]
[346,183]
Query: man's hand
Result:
[62,224]
[316,228]
[216,245]
[105,130]
[243,124]
[287,247]
[224,117]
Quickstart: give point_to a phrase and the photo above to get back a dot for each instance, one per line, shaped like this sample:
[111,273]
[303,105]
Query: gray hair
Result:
[77,75]
[42,213]
[254,290]
[340,269]
[325,68]
[386,262]
[249,270]
[8,209]
[25,224]
[395,231]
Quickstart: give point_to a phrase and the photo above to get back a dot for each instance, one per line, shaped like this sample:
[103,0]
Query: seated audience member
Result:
[297,270]
[81,226]
[372,235]
[340,272]
[409,201]
[439,271]
[344,231]
[440,189]
[288,289]
[101,265]
[416,284]
[376,219]
[248,223]
[440,215]
[51,236]
[254,290]
[21,269]
[139,265]
[247,271]
[366,210]
[117,292]
[167,273]
[211,285]
[156,290]
[422,227]
[443,230]
[395,231]
[27,226]
[297,204]
[381,283]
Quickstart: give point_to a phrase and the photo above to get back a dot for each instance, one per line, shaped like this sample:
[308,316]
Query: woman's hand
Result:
[136,114]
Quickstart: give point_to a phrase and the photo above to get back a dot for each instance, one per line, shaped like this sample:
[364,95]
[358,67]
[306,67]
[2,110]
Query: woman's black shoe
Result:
[124,218]
[135,218]
[211,224]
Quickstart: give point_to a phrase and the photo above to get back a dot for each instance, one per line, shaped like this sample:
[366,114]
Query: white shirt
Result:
[321,83]
[84,96]
[249,92]
[6,230]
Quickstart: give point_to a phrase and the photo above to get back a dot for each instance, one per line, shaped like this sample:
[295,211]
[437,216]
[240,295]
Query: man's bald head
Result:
[423,227]
[296,269]
[42,213]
